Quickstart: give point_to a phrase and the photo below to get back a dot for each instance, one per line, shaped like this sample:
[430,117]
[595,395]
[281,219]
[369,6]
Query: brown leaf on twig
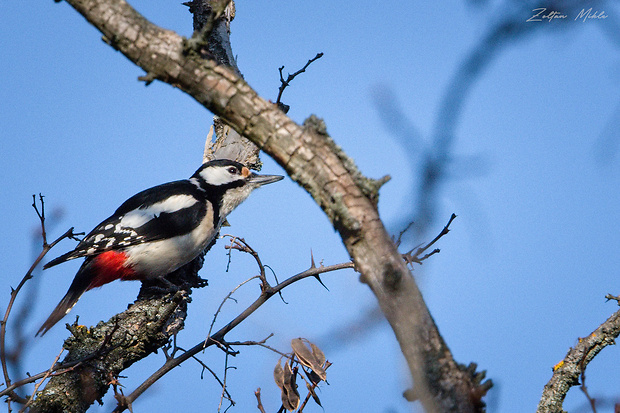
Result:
[285,379]
[278,375]
[290,395]
[314,359]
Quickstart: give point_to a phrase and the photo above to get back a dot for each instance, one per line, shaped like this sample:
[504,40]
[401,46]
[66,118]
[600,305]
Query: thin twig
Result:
[219,309]
[260,344]
[260,404]
[311,389]
[285,83]
[219,335]
[224,390]
[413,256]
[443,232]
[583,387]
[399,239]
[240,245]
[48,373]
[14,292]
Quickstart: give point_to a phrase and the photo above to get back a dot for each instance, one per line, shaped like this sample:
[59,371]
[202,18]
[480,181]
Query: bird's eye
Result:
[233,170]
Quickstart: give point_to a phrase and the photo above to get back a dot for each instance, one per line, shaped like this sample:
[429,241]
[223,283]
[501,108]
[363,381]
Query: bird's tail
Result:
[79,285]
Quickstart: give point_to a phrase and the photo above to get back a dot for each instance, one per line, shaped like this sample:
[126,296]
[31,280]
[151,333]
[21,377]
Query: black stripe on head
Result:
[241,171]
[219,162]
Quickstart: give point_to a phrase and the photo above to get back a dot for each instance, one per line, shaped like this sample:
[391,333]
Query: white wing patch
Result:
[140,216]
[161,257]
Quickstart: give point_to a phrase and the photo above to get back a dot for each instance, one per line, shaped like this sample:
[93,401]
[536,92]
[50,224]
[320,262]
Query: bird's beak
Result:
[260,180]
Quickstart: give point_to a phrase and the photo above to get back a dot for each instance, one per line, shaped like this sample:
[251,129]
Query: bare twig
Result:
[260,404]
[225,394]
[413,256]
[218,337]
[15,291]
[399,239]
[290,77]
[613,297]
[219,309]
[260,343]
[48,373]
[240,245]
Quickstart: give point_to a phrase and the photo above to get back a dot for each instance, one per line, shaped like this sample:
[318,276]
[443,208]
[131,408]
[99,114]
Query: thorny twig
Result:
[267,291]
[219,309]
[225,394]
[285,83]
[15,291]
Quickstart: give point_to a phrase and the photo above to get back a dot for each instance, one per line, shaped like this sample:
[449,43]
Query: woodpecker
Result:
[158,230]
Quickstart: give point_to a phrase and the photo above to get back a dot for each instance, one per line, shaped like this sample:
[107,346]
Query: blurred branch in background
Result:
[19,340]
[433,156]
[15,355]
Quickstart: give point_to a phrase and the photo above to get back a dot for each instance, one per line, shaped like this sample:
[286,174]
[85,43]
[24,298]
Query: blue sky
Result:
[535,184]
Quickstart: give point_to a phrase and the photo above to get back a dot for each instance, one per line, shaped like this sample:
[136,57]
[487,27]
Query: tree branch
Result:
[567,372]
[285,83]
[218,337]
[315,162]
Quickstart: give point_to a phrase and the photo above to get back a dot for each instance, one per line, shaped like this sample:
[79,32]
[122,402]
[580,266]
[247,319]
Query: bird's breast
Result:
[158,258]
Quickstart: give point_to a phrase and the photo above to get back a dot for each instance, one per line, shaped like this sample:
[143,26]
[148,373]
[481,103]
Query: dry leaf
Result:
[318,354]
[313,393]
[290,395]
[278,374]
[314,359]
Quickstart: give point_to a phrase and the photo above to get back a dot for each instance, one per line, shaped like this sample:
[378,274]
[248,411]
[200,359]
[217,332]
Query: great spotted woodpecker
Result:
[158,230]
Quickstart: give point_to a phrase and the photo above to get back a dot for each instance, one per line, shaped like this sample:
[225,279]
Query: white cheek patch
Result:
[217,176]
[139,217]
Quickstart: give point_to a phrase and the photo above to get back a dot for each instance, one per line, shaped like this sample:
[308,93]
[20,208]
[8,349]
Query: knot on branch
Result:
[392,276]
[316,125]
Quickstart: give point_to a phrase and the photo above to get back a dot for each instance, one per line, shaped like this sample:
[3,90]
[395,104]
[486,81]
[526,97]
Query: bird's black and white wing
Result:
[161,212]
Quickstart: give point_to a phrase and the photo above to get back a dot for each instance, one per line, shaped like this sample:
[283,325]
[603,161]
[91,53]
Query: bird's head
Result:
[232,180]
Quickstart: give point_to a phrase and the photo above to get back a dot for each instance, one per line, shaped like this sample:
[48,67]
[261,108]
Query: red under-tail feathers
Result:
[94,272]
